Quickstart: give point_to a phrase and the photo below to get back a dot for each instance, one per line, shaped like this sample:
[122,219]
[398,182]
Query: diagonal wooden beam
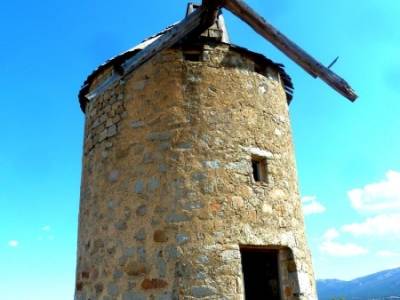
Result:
[293,51]
[195,23]
[198,21]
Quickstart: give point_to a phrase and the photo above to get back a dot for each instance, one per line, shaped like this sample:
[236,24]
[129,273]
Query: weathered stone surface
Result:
[155,283]
[203,291]
[168,194]
[139,186]
[177,218]
[159,136]
[135,269]
[154,183]
[99,287]
[228,255]
[133,296]
[160,236]
[140,235]
[212,164]
[112,289]
[166,296]
[181,238]
[161,266]
[113,177]
[141,210]
[137,124]
[121,225]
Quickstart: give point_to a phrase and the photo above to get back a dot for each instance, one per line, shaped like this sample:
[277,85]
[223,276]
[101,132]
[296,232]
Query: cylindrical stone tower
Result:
[189,185]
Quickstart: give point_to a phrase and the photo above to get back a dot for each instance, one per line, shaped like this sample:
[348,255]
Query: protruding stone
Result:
[113,176]
[163,168]
[133,296]
[112,289]
[160,236]
[172,252]
[141,210]
[139,85]
[154,183]
[137,124]
[203,291]
[135,269]
[120,225]
[159,136]
[228,255]
[139,186]
[212,164]
[129,252]
[166,296]
[155,283]
[140,235]
[141,254]
[99,287]
[182,238]
[161,266]
[177,218]
[111,131]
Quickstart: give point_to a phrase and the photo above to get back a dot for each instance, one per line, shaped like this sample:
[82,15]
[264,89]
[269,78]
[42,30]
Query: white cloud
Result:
[13,243]
[46,228]
[331,234]
[334,248]
[311,205]
[338,249]
[378,197]
[385,225]
[387,253]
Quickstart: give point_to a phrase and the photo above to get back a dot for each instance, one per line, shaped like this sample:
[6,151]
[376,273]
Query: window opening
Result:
[260,273]
[259,166]
[193,55]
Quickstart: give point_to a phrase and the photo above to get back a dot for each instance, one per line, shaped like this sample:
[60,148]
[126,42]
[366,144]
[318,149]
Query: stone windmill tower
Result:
[189,187]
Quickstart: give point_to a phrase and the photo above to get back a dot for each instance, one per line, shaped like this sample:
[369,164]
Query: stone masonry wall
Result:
[167,195]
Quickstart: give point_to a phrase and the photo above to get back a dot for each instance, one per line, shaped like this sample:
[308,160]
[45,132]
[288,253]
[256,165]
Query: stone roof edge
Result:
[122,57]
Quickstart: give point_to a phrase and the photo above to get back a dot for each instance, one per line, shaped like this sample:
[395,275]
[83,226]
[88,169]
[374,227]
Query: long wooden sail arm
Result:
[293,51]
[204,17]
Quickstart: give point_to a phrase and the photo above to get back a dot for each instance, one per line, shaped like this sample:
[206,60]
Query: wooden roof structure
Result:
[199,20]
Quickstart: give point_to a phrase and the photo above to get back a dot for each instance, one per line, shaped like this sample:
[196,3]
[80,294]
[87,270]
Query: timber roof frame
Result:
[198,21]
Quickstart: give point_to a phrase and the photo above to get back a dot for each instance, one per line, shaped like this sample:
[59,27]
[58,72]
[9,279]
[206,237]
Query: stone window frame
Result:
[264,157]
[259,168]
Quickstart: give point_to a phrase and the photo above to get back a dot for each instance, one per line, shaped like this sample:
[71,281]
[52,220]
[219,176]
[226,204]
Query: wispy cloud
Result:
[46,228]
[378,197]
[332,247]
[46,234]
[13,243]
[381,225]
[312,206]
[387,253]
[382,200]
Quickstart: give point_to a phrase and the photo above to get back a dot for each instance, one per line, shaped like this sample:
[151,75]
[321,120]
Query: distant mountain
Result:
[384,285]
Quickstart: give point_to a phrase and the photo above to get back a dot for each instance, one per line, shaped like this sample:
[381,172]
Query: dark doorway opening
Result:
[260,273]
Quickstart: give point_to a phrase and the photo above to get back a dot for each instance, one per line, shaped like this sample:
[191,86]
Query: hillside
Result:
[379,286]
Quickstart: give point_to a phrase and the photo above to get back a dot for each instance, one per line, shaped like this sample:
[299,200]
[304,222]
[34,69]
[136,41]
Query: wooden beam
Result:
[197,21]
[194,23]
[293,51]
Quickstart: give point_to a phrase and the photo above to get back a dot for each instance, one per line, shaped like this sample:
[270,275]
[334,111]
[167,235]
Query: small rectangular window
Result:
[193,55]
[260,273]
[259,167]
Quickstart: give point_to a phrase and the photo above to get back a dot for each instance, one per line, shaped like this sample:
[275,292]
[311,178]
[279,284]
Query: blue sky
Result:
[348,155]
